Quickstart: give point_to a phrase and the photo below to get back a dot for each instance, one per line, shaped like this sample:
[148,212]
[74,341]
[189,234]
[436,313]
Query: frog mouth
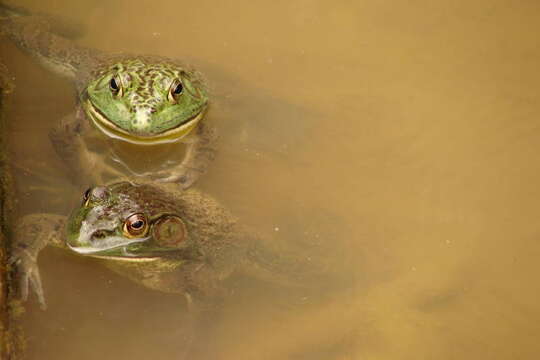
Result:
[115,248]
[114,131]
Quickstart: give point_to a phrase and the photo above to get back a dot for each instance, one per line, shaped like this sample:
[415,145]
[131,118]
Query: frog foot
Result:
[31,234]
[27,271]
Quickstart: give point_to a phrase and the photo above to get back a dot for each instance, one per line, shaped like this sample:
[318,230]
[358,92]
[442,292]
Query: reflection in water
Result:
[403,135]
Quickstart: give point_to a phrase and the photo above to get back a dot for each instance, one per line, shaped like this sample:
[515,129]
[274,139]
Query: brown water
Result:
[404,134]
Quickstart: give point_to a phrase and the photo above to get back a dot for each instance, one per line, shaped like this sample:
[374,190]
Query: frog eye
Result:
[96,194]
[135,226]
[115,84]
[86,196]
[176,89]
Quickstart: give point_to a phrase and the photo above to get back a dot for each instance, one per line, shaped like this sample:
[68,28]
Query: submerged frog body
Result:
[143,100]
[178,241]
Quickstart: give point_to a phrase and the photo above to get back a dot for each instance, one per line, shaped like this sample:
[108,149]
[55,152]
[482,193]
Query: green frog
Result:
[141,100]
[162,237]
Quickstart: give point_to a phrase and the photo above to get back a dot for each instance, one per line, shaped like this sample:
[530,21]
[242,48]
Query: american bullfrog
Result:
[160,236]
[142,100]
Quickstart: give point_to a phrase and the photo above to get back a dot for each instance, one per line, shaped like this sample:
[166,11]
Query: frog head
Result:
[128,222]
[145,102]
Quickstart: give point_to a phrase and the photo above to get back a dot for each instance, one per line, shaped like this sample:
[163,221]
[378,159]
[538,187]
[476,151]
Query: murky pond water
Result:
[402,135]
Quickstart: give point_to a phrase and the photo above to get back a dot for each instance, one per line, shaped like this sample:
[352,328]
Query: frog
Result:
[144,100]
[162,237]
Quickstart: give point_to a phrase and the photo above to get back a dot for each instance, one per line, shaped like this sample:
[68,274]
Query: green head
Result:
[145,102]
[125,221]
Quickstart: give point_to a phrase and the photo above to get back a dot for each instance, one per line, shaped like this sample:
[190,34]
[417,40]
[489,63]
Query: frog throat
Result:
[165,137]
[102,253]
[125,259]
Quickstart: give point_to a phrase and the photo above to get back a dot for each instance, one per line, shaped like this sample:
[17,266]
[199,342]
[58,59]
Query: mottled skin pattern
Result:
[194,262]
[144,108]
[145,100]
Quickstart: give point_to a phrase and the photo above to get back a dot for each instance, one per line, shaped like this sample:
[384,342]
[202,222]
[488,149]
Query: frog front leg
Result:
[199,154]
[31,234]
[68,140]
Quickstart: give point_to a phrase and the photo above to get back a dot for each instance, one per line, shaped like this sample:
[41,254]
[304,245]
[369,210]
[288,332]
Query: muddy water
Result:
[401,135]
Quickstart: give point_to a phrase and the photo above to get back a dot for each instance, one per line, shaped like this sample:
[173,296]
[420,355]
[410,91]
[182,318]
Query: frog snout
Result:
[100,235]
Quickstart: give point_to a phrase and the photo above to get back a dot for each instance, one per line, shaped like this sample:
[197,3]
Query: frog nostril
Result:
[99,235]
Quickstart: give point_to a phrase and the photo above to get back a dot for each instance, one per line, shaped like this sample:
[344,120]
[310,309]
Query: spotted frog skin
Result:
[142,100]
[162,237]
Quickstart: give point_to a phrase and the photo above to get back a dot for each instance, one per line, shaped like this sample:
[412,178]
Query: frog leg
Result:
[68,141]
[36,36]
[59,25]
[199,154]
[32,233]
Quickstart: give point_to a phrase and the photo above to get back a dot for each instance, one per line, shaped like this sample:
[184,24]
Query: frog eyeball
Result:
[175,90]
[115,84]
[169,231]
[86,196]
[135,226]
[99,193]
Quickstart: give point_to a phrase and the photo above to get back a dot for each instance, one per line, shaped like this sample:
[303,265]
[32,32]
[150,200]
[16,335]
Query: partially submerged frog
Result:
[167,239]
[143,100]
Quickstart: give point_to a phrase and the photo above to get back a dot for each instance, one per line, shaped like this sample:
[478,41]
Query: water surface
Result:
[403,135]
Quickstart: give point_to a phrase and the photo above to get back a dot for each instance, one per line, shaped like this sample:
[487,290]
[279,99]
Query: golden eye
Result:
[175,90]
[115,84]
[135,226]
[86,196]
